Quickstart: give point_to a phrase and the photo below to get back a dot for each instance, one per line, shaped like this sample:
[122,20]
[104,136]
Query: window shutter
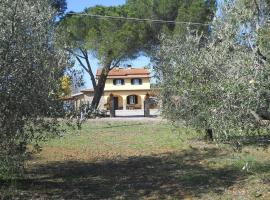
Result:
[136,99]
[140,81]
[122,82]
[128,101]
[114,81]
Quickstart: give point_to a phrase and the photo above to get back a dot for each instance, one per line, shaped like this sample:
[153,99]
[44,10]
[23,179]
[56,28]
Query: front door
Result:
[115,101]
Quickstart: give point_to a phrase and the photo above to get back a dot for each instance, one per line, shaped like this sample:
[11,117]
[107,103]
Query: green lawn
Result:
[109,140]
[141,160]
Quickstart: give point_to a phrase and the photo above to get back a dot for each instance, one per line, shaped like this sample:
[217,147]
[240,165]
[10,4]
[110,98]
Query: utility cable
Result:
[137,19]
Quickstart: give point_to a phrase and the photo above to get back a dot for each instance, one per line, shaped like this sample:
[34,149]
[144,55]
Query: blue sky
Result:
[80,5]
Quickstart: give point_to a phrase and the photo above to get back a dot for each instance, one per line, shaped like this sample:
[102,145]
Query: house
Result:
[129,87]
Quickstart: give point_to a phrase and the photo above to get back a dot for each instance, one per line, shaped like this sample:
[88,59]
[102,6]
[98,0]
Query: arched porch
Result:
[118,102]
[134,102]
[126,100]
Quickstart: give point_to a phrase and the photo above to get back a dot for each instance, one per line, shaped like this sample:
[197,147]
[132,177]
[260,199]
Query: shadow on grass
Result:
[135,116]
[122,125]
[169,175]
[251,140]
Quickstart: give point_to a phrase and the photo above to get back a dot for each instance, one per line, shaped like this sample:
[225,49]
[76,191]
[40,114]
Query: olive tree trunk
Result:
[209,135]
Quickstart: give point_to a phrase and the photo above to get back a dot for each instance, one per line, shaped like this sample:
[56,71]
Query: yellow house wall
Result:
[119,90]
[84,98]
[127,86]
[124,94]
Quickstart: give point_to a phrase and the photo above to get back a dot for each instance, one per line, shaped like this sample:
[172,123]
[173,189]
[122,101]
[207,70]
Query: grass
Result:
[107,140]
[141,160]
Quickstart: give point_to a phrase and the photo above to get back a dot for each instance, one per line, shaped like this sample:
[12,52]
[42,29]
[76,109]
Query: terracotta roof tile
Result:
[126,72]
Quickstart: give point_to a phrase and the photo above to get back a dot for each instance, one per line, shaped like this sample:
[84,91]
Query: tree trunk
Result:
[98,91]
[209,135]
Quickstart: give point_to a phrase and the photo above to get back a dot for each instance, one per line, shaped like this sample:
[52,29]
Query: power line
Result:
[137,19]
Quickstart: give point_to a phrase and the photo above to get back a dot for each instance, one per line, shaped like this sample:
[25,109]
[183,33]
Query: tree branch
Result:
[116,62]
[263,57]
[86,67]
[81,63]
[75,54]
[258,8]
[90,71]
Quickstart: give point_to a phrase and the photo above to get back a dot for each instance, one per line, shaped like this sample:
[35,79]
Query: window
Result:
[132,99]
[118,82]
[136,81]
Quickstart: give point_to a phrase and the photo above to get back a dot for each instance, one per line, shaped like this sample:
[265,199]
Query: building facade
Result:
[128,86]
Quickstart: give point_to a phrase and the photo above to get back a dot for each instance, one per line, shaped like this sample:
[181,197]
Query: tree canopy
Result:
[194,11]
[112,41]
[107,39]
[30,68]
[60,6]
[223,85]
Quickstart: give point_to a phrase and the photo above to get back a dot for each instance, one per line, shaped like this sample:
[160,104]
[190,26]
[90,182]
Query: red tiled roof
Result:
[126,72]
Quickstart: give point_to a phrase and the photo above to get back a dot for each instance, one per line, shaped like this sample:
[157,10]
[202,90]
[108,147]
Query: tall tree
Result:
[198,13]
[113,41]
[30,69]
[223,85]
[194,11]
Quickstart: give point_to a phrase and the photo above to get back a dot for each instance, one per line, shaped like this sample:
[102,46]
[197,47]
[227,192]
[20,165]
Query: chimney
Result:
[129,67]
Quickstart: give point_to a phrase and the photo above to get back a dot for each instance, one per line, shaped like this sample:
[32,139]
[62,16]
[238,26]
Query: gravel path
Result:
[133,115]
[135,118]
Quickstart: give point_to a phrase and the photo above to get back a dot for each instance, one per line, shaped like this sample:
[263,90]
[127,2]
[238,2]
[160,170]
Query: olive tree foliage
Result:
[60,6]
[30,67]
[221,85]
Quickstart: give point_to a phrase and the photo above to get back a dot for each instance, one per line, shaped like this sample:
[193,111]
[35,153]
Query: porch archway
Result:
[118,102]
[134,102]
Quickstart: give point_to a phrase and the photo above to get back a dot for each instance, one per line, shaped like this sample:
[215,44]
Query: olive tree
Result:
[30,68]
[221,85]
